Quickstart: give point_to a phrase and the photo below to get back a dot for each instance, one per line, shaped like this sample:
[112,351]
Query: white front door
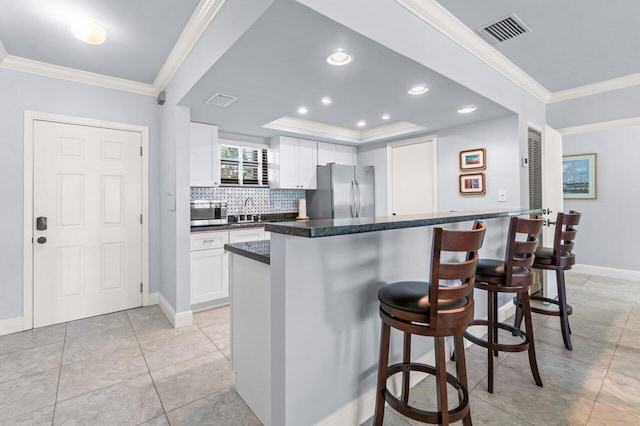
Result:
[88,189]
[412,176]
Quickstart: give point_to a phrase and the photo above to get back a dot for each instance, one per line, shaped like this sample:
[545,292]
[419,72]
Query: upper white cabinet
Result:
[205,170]
[339,154]
[293,163]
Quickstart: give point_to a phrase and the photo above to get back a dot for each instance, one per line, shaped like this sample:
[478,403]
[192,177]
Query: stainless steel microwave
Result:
[208,212]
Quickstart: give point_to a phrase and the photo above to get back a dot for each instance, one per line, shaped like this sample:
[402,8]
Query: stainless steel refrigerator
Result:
[343,192]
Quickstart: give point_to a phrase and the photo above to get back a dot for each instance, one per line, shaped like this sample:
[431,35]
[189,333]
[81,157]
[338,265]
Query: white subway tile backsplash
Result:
[265,200]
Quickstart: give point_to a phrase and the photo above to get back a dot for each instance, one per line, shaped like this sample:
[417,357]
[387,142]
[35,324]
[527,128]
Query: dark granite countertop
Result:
[264,219]
[332,227]
[257,250]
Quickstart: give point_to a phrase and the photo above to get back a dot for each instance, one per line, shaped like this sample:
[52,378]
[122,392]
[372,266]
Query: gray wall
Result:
[603,238]
[23,91]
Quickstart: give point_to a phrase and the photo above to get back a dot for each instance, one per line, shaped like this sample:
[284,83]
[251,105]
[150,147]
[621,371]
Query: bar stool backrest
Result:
[445,240]
[519,255]
[565,235]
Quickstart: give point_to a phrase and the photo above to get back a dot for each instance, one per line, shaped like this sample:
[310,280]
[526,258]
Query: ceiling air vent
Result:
[220,100]
[504,29]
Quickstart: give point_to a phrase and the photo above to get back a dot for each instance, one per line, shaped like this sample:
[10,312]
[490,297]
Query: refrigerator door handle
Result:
[353,198]
[358,198]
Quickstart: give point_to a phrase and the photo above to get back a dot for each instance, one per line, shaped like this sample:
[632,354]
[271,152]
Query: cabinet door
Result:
[326,153]
[288,162]
[244,235]
[204,155]
[345,155]
[209,275]
[307,164]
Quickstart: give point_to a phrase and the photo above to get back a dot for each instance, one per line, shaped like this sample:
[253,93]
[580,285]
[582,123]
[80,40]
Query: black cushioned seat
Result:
[495,268]
[413,296]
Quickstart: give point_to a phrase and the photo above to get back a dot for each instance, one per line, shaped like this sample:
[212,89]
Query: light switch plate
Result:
[502,195]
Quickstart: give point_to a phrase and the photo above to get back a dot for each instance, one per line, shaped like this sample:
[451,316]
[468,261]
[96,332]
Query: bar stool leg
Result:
[562,304]
[406,359]
[461,371]
[441,380]
[518,320]
[526,308]
[382,374]
[490,331]
[495,322]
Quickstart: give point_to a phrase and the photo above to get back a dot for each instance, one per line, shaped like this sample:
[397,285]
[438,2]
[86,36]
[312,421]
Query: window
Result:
[243,166]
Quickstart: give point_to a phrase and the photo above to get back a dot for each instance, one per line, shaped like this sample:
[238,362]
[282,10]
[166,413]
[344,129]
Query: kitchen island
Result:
[305,326]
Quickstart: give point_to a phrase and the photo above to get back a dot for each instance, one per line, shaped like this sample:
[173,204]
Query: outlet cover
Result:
[502,195]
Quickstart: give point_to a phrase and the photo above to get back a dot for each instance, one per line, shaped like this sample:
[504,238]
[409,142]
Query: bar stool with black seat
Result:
[511,275]
[429,309]
[560,258]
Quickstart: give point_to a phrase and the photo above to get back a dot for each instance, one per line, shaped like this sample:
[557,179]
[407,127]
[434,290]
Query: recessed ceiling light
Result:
[339,57]
[467,109]
[302,110]
[386,116]
[88,30]
[326,100]
[418,90]
[361,123]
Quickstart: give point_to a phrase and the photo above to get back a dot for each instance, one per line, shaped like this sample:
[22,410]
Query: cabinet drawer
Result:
[209,240]
[243,235]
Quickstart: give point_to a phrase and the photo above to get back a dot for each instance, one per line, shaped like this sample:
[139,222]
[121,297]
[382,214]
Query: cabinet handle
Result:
[208,241]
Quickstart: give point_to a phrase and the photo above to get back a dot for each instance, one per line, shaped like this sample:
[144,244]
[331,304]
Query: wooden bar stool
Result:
[559,258]
[429,309]
[511,275]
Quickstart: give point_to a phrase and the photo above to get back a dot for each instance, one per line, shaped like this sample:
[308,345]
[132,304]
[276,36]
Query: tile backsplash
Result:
[265,200]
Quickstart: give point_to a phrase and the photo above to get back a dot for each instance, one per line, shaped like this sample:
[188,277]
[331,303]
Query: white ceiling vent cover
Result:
[220,100]
[504,29]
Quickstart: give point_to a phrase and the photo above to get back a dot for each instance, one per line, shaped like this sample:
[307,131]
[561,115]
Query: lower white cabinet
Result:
[209,261]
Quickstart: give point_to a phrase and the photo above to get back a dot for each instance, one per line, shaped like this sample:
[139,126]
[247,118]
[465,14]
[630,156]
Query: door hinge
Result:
[140,287]
[140,219]
[141,151]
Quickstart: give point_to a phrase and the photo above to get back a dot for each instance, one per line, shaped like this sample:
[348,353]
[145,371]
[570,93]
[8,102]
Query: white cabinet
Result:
[339,154]
[205,157]
[249,234]
[293,164]
[209,266]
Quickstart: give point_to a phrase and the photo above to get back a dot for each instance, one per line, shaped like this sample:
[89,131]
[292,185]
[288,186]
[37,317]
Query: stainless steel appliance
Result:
[209,212]
[343,192]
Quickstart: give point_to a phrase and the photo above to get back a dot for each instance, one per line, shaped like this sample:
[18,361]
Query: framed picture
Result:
[579,176]
[472,184]
[473,159]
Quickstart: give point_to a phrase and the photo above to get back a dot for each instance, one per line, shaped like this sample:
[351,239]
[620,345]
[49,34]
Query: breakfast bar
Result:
[304,310]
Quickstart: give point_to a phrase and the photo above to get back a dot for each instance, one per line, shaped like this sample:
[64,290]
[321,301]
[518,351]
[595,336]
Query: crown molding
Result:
[311,128]
[55,71]
[595,88]
[442,20]
[205,13]
[602,125]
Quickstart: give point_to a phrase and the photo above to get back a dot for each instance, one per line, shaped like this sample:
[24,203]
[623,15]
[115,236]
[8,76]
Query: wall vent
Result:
[504,29]
[220,100]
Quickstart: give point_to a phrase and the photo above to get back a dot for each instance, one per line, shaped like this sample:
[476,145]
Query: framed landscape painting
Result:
[473,159]
[472,184]
[579,176]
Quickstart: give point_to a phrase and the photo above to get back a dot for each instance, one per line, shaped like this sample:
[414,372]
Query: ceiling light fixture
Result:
[386,116]
[88,30]
[467,109]
[326,100]
[339,57]
[418,90]
[361,123]
[302,110]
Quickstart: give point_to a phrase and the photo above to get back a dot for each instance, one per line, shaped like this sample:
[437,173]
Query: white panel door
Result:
[412,177]
[88,186]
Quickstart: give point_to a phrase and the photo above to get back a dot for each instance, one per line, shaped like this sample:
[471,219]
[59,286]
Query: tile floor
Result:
[132,367]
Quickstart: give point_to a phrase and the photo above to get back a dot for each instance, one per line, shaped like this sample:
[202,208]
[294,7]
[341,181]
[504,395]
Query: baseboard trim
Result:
[153,299]
[623,274]
[11,325]
[180,319]
[362,408]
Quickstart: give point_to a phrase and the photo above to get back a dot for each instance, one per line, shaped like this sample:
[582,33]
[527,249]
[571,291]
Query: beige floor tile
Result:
[633,322]
[32,338]
[582,299]
[622,393]
[212,316]
[604,415]
[613,317]
[590,330]
[222,408]
[592,352]
[146,313]
[220,334]
[94,345]
[173,350]
[158,329]
[609,295]
[127,403]
[99,324]
[390,418]
[28,393]
[42,417]
[30,361]
[626,362]
[630,339]
[158,421]
[99,372]
[607,283]
[483,413]
[189,381]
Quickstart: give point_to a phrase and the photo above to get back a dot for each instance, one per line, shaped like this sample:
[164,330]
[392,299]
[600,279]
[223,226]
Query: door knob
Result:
[41,240]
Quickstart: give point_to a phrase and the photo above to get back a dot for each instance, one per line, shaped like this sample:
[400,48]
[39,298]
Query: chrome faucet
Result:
[245,207]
